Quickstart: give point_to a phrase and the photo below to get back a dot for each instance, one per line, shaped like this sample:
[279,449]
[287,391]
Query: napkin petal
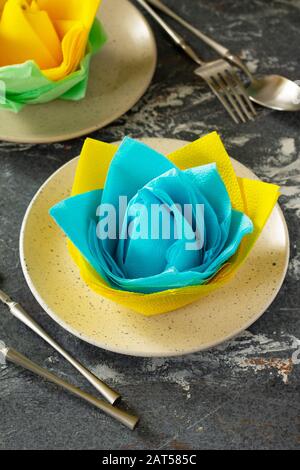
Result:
[130,250]
[82,15]
[210,149]
[213,189]
[73,10]
[2,3]
[62,27]
[240,226]
[74,216]
[133,166]
[73,48]
[45,30]
[93,165]
[217,205]
[260,199]
[21,42]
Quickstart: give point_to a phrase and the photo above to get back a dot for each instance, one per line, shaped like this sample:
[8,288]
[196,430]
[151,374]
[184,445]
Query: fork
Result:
[219,75]
[221,50]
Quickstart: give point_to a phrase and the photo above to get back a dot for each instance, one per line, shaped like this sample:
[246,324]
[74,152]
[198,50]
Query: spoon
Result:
[271,91]
[275,92]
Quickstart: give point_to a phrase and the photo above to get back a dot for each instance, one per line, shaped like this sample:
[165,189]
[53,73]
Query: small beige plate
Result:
[120,74]
[54,280]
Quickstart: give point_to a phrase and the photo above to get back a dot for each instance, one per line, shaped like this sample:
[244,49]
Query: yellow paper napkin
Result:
[255,198]
[52,33]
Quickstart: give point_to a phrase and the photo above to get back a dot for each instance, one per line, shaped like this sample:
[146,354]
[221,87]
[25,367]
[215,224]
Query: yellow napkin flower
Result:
[52,33]
[254,198]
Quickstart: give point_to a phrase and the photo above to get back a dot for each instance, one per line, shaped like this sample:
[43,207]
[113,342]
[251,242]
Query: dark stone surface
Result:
[207,400]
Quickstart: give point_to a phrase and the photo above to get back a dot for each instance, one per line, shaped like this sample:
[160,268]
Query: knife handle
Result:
[177,38]
[18,312]
[125,418]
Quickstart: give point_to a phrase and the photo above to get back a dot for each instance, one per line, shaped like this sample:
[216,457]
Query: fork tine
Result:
[235,96]
[243,93]
[227,90]
[239,98]
[222,100]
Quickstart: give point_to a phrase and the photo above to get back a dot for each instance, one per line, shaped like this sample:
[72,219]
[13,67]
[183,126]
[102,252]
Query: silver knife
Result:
[19,313]
[10,355]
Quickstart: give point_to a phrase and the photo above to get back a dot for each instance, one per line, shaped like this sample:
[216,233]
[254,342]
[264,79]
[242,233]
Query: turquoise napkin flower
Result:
[197,245]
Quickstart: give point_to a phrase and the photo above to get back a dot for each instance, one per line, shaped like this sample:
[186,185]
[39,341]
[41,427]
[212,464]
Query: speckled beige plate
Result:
[120,74]
[54,280]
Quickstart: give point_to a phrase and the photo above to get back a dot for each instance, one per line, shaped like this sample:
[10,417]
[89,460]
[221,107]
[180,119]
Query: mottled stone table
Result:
[211,400]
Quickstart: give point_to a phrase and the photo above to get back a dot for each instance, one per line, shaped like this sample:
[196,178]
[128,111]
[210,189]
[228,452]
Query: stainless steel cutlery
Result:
[11,355]
[271,91]
[219,75]
[17,311]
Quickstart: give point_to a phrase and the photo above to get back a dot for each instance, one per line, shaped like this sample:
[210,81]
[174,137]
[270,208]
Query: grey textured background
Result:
[213,400]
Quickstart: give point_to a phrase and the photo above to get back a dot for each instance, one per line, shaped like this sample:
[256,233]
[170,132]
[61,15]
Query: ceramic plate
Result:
[54,280]
[120,74]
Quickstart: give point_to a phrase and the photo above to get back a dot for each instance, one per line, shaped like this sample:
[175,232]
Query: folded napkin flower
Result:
[203,248]
[45,48]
